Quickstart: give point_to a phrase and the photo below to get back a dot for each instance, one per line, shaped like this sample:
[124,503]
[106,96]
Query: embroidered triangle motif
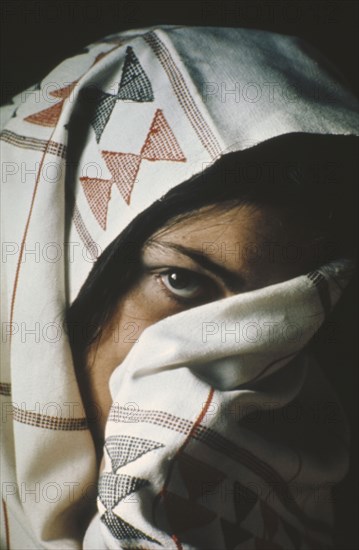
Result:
[270,520]
[234,534]
[198,475]
[106,104]
[63,93]
[184,515]
[294,535]
[264,544]
[123,449]
[98,193]
[122,530]
[124,169]
[113,488]
[161,143]
[49,117]
[134,86]
[101,55]
[244,500]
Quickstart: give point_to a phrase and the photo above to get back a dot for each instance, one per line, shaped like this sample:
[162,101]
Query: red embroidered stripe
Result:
[34,144]
[223,445]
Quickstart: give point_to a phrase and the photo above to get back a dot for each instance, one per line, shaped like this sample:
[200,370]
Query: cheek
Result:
[118,337]
[141,308]
[104,356]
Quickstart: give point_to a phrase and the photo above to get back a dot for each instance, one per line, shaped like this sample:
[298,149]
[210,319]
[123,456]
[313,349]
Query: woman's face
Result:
[207,256]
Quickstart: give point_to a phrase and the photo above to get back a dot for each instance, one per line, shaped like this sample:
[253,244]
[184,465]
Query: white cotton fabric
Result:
[184,394]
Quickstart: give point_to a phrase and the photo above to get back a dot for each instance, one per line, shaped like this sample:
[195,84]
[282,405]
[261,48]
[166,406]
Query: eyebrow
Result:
[233,281]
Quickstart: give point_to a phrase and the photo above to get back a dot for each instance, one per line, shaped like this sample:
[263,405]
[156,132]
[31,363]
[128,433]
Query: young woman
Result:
[188,217]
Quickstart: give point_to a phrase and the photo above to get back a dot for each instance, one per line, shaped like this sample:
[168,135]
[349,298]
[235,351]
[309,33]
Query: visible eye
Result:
[182,283]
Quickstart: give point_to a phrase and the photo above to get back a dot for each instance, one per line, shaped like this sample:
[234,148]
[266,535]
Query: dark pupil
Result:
[178,280]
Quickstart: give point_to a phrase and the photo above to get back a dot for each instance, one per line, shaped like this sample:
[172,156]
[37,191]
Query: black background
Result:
[37,35]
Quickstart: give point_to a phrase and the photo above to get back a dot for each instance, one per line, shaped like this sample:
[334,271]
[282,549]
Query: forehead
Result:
[234,223]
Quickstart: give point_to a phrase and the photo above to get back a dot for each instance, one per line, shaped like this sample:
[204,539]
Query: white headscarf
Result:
[183,468]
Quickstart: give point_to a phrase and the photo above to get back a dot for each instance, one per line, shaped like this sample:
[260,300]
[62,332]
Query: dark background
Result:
[36,35]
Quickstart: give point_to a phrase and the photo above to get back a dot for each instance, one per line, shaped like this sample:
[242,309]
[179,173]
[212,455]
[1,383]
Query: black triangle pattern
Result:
[102,114]
[122,530]
[233,534]
[244,500]
[114,488]
[294,535]
[123,449]
[134,86]
[99,106]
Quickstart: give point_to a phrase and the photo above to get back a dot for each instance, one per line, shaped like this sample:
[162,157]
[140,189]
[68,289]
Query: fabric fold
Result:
[213,437]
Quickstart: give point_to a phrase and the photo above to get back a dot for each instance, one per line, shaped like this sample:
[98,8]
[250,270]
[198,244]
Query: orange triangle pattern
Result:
[101,55]
[50,116]
[124,168]
[47,117]
[160,144]
[63,93]
[98,194]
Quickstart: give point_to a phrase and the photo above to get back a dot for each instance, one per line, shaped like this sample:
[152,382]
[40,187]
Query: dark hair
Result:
[310,178]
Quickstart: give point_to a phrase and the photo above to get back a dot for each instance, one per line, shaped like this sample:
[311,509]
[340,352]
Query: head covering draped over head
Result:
[119,125]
